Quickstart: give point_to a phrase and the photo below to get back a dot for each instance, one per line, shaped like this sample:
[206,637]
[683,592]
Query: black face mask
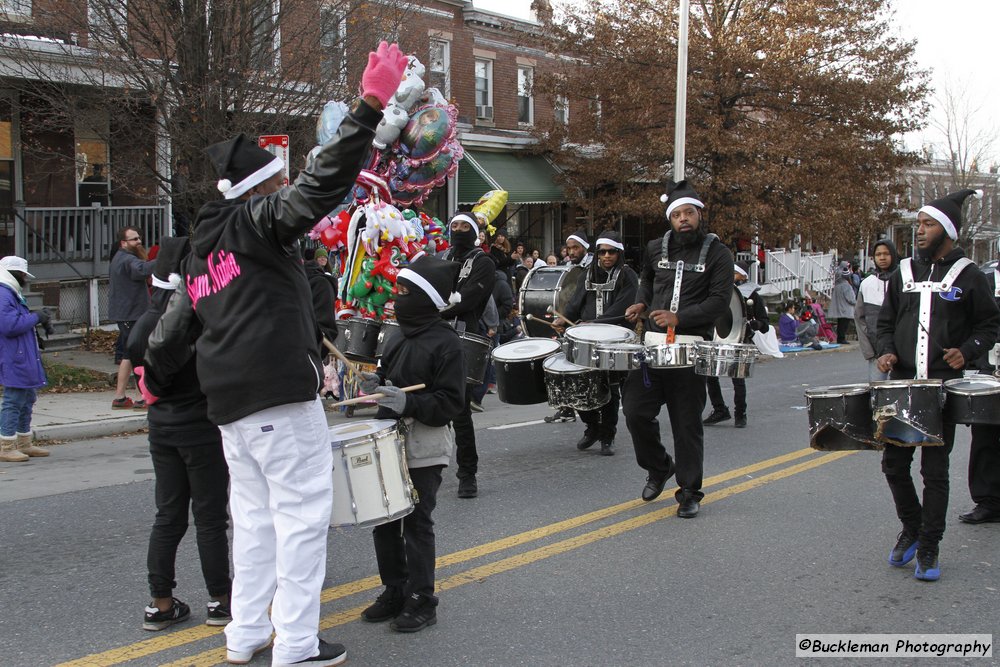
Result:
[415,311]
[464,240]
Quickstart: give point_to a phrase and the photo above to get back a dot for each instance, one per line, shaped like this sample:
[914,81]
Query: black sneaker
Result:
[905,549]
[561,415]
[928,568]
[155,619]
[741,421]
[218,614]
[419,612]
[386,606]
[608,447]
[588,439]
[329,655]
[717,416]
[467,487]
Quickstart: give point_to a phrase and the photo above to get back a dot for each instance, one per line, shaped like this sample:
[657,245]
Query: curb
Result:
[91,429]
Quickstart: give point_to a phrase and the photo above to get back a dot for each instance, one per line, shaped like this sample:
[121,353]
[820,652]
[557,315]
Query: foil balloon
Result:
[429,131]
[330,118]
[433,173]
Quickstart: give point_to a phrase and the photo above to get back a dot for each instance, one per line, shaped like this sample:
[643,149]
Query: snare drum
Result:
[476,349]
[362,339]
[840,418]
[972,400]
[604,346]
[371,484]
[520,372]
[908,412]
[390,331]
[734,360]
[341,341]
[545,290]
[575,386]
[671,355]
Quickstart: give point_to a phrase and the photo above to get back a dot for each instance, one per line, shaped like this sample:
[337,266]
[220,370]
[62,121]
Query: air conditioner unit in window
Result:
[484,112]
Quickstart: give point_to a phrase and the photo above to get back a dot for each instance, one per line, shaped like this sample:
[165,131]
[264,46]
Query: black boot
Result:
[741,420]
[589,438]
[718,415]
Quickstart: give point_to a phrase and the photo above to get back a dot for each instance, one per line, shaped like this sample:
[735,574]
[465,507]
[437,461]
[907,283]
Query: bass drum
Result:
[546,289]
[731,327]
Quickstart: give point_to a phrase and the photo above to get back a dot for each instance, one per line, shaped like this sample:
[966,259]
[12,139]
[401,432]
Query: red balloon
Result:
[330,236]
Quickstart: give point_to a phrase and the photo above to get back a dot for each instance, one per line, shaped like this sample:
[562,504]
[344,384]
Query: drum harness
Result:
[601,290]
[926,289]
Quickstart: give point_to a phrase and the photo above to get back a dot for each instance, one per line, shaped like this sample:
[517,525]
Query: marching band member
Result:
[938,314]
[984,455]
[474,287]
[756,320]
[428,352]
[246,305]
[605,290]
[577,254]
[701,266]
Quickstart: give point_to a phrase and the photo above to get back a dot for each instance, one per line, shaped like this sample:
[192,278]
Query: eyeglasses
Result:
[605,251]
[134,238]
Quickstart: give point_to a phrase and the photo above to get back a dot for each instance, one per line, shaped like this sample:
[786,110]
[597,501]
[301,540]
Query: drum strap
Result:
[601,290]
[664,263]
[927,289]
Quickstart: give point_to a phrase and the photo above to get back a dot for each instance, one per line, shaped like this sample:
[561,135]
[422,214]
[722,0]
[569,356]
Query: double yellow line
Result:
[215,656]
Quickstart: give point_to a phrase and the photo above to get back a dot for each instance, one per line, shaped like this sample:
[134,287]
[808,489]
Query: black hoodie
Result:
[246,286]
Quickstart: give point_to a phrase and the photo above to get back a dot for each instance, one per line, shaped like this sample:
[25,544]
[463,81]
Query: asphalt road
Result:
[556,563]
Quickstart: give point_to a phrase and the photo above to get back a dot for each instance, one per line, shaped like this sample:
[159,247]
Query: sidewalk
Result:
[84,415]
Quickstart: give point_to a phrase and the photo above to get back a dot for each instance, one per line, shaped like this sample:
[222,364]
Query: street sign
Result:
[276,144]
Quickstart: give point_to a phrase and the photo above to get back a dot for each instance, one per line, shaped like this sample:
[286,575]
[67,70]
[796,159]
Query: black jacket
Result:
[756,314]
[247,288]
[323,287]
[983,362]
[704,296]
[968,319]
[475,289]
[180,417]
[503,295]
[583,306]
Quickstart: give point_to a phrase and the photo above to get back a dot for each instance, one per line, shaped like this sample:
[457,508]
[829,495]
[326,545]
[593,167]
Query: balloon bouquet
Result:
[378,231]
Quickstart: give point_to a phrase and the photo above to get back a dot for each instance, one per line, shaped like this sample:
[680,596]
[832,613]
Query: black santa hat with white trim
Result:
[435,277]
[678,194]
[242,165]
[948,210]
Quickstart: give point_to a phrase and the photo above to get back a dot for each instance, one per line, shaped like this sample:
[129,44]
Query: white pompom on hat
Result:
[241,165]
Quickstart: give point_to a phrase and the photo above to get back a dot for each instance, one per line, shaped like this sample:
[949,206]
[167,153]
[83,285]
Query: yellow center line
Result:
[188,635]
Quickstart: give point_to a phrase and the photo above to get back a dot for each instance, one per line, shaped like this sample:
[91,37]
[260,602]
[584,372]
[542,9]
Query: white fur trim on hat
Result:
[945,221]
[737,269]
[680,202]
[422,283]
[465,217]
[574,237]
[610,242]
[254,179]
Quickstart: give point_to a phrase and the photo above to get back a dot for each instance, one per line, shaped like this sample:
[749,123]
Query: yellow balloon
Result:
[489,205]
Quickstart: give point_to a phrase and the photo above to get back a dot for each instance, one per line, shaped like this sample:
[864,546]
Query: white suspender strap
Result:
[996,283]
[927,289]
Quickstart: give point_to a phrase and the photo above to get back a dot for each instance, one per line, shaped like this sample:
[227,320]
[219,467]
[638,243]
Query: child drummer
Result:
[428,352]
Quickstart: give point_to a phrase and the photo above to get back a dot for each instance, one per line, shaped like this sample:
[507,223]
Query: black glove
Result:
[43,317]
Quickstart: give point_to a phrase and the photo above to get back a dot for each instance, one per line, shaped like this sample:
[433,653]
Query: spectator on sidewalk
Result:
[128,300]
[842,303]
[189,466]
[21,369]
[870,298]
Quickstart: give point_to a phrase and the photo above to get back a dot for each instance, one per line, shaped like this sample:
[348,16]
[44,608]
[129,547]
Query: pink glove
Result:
[146,394]
[384,73]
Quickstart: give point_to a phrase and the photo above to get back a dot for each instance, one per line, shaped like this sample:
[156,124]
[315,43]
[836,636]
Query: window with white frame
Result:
[525,104]
[439,67]
[93,169]
[108,19]
[596,112]
[333,42]
[15,7]
[561,109]
[484,88]
[267,35]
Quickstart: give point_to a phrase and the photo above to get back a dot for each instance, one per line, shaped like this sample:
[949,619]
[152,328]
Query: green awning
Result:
[528,179]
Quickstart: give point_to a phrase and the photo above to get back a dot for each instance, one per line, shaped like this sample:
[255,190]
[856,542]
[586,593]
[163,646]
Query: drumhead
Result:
[600,333]
[902,384]
[557,364]
[729,328]
[525,349]
[547,278]
[349,431]
[836,391]
[974,385]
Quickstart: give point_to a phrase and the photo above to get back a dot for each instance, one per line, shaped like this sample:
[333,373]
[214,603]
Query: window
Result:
[596,112]
[439,69]
[484,89]
[333,41]
[15,7]
[267,35]
[108,20]
[562,109]
[6,158]
[93,172]
[525,105]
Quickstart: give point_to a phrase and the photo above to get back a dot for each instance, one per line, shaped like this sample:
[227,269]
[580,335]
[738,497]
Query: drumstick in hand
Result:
[568,321]
[340,355]
[374,397]
[538,319]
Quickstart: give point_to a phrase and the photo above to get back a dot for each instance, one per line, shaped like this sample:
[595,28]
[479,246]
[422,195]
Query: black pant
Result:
[842,324]
[683,392]
[405,548]
[198,476]
[465,439]
[739,394]
[984,466]
[603,422]
[927,520]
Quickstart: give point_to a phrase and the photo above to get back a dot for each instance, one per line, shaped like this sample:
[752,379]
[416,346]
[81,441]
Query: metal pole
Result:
[681,111]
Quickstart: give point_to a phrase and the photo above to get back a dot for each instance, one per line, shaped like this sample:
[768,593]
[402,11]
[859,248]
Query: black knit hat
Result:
[580,236]
[679,194]
[241,165]
[610,238]
[173,250]
[948,210]
[435,277]
[743,267]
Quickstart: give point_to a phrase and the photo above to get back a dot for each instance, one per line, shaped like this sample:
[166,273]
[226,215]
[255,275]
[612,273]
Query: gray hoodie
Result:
[870,296]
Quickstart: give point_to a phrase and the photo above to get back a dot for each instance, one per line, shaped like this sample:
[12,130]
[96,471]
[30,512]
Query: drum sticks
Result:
[538,319]
[374,397]
[340,355]
[558,314]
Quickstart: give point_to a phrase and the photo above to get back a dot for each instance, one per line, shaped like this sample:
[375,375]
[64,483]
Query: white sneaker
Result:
[243,657]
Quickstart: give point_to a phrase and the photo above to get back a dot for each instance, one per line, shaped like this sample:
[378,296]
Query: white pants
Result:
[281,493]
